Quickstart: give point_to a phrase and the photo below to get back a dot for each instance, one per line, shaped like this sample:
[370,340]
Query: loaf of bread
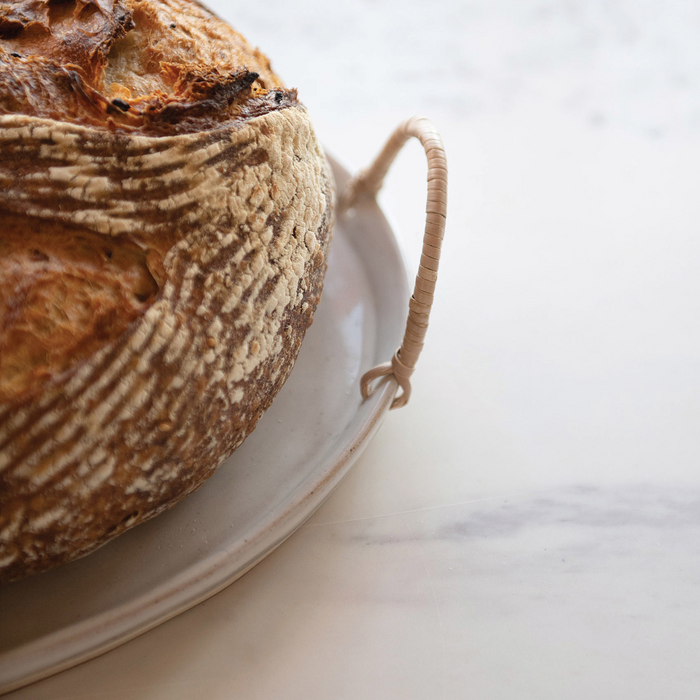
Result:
[165,216]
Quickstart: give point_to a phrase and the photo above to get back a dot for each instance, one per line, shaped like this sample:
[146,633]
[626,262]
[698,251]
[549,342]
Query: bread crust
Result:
[151,66]
[234,221]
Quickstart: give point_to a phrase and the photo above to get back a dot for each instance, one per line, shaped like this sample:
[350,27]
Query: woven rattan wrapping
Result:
[370,181]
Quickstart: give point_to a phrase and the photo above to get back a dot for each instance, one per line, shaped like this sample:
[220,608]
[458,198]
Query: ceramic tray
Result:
[302,448]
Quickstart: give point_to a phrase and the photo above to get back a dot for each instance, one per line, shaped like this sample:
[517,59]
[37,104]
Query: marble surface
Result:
[529,525]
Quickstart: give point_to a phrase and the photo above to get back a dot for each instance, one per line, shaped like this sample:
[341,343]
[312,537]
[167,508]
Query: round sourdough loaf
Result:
[165,216]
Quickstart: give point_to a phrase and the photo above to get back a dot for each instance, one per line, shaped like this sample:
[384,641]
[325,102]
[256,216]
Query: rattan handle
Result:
[370,181]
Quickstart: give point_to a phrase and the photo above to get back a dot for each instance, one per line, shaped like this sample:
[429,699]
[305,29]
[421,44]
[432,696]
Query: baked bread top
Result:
[158,66]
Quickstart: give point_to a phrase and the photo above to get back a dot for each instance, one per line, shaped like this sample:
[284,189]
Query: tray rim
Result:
[65,648]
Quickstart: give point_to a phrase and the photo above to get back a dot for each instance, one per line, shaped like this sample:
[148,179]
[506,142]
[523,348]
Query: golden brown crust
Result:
[155,66]
[127,432]
[187,264]
[64,293]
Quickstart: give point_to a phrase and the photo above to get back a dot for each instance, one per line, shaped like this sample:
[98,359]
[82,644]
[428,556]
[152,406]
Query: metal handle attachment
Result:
[370,181]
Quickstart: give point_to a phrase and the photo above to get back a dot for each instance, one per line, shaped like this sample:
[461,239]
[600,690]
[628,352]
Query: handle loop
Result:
[370,181]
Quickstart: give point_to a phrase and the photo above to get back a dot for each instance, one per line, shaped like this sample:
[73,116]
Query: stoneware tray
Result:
[303,446]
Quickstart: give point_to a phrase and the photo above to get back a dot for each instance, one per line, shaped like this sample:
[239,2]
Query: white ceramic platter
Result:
[301,449]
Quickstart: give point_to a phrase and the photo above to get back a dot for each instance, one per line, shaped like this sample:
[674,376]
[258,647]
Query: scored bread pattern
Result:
[243,216]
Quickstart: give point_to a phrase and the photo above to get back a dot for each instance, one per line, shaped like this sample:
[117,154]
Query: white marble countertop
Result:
[529,526]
